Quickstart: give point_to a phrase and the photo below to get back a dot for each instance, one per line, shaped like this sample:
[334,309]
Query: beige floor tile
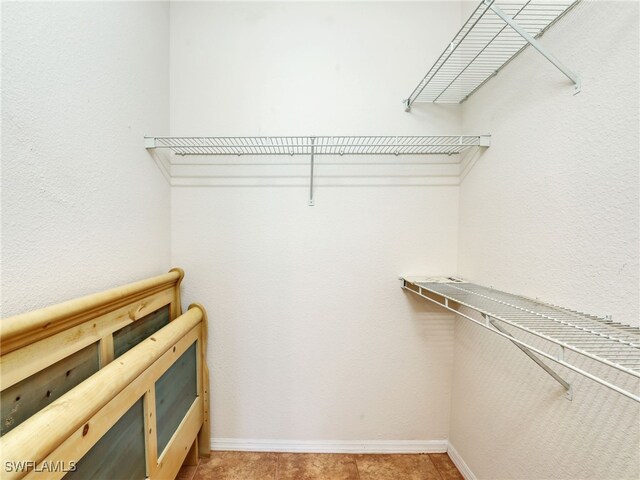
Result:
[238,466]
[445,466]
[312,466]
[396,467]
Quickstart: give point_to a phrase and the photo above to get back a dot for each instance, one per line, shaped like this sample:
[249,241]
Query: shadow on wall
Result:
[468,161]
[163,162]
[432,323]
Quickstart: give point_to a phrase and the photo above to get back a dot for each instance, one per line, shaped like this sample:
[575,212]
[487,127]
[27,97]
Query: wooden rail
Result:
[108,423]
[133,300]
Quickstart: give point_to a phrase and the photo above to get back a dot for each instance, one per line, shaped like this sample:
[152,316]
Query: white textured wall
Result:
[551,211]
[311,336]
[84,207]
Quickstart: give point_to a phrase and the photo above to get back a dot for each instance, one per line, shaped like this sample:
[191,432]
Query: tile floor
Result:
[312,466]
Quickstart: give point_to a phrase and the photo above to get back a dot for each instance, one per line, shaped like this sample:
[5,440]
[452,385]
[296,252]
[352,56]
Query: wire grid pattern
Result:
[339,145]
[600,339]
[483,46]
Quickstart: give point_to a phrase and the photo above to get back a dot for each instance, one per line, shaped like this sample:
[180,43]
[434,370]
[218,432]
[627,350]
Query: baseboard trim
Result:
[329,446]
[460,463]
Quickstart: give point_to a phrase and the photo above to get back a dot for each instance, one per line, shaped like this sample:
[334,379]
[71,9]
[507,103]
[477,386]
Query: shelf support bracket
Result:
[149,142]
[313,151]
[533,357]
[575,78]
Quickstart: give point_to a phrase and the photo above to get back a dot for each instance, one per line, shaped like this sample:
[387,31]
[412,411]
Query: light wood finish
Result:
[28,327]
[176,304]
[118,454]
[150,430]
[67,428]
[56,422]
[173,457]
[79,442]
[176,391]
[192,457]
[30,358]
[204,436]
[132,334]
[27,397]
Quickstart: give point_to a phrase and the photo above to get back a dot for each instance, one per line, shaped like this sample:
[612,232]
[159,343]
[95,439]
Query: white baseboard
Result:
[460,463]
[329,446]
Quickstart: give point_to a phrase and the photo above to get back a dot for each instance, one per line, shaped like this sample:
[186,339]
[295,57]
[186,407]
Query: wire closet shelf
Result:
[320,145]
[313,146]
[564,331]
[494,34]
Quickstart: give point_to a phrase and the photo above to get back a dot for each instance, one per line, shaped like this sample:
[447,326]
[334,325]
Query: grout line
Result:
[355,460]
[454,464]
[435,466]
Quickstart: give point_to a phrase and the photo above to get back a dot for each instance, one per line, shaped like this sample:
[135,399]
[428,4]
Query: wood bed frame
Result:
[113,385]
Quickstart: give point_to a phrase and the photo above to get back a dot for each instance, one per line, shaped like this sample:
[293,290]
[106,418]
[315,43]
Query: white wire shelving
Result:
[320,145]
[564,335]
[312,146]
[495,33]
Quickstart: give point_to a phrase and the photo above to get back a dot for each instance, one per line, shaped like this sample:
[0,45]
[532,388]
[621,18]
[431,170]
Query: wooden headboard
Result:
[79,378]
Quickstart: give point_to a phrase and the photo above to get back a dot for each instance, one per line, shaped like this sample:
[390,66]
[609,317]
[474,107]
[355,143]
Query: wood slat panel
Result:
[28,328]
[128,337]
[176,391]
[57,422]
[204,436]
[119,454]
[29,396]
[82,440]
[178,448]
[19,364]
